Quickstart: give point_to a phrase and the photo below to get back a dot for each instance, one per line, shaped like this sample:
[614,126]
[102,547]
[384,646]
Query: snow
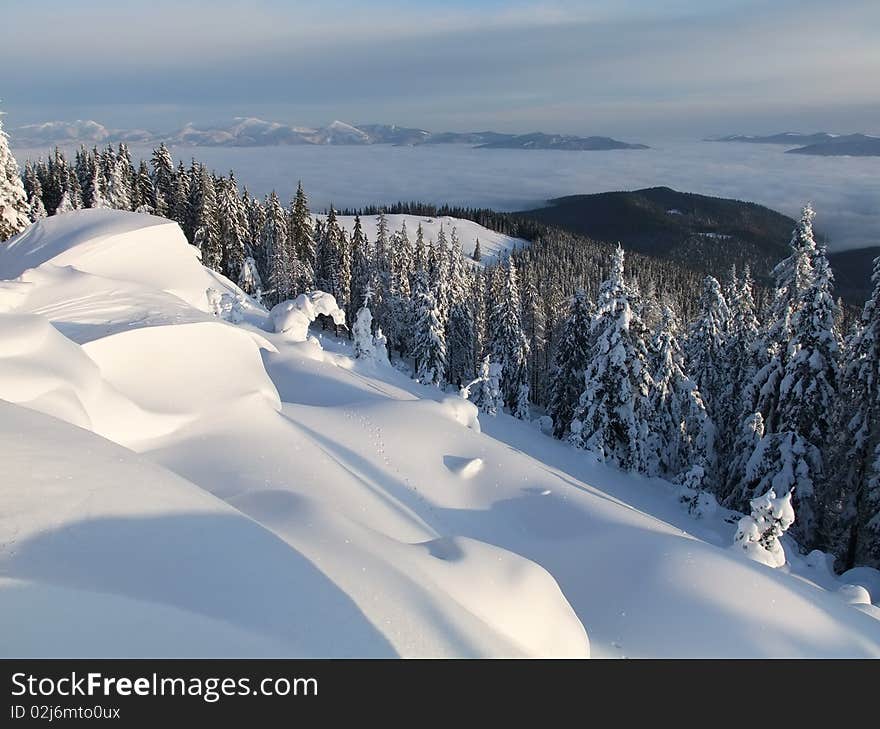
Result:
[294,316]
[492,244]
[176,484]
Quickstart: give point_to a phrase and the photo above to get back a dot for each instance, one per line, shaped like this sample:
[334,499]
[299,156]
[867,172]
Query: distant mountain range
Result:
[252,132]
[821,143]
[708,234]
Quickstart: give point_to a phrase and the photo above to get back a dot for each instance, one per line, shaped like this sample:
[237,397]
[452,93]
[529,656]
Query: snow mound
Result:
[45,371]
[464,467]
[294,315]
[131,247]
[188,369]
[854,594]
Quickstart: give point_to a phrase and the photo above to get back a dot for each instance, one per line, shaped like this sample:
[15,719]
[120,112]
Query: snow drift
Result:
[181,485]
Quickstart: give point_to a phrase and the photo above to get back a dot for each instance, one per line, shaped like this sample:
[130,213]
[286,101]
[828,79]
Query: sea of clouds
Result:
[844,190]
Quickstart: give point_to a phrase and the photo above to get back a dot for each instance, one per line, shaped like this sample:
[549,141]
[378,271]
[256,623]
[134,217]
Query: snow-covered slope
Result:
[492,244]
[179,485]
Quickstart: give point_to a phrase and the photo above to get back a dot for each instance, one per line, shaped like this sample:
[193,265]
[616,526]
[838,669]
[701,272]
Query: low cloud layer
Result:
[845,191]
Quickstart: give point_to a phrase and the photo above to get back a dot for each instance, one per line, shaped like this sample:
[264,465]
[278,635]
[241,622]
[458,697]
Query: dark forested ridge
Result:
[708,234]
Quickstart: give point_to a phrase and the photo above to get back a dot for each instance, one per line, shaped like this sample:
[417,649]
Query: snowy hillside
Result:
[176,484]
[492,244]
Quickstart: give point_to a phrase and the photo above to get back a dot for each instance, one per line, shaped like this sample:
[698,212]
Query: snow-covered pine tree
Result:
[249,279]
[486,389]
[571,360]
[477,254]
[34,192]
[232,227]
[613,416]
[164,180]
[118,183]
[178,205]
[851,509]
[274,241]
[758,534]
[143,193]
[205,228]
[429,343]
[792,277]
[420,252]
[507,343]
[255,216]
[743,361]
[706,349]
[682,433]
[330,276]
[13,202]
[84,169]
[302,237]
[808,392]
[365,344]
[362,260]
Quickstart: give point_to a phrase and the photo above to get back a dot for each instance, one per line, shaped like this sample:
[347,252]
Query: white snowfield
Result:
[178,485]
[492,244]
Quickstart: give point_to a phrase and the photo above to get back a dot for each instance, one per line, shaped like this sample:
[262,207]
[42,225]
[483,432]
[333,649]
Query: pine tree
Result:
[118,184]
[758,534]
[743,360]
[851,508]
[507,342]
[486,388]
[792,277]
[572,358]
[682,433]
[429,343]
[302,237]
[165,181]
[274,240]
[612,418]
[706,348]
[34,192]
[362,272]
[205,227]
[144,197]
[179,205]
[477,254]
[232,227]
[808,390]
[332,260]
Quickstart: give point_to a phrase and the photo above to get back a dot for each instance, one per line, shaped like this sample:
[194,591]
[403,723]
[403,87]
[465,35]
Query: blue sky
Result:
[631,68]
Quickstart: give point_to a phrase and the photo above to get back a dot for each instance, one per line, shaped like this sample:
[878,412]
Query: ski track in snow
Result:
[228,491]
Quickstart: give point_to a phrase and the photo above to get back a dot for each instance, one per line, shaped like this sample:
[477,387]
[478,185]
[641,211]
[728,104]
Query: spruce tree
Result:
[13,202]
[232,227]
[274,241]
[507,343]
[851,505]
[682,433]
[164,179]
[429,341]
[706,348]
[572,358]
[613,415]
[302,238]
